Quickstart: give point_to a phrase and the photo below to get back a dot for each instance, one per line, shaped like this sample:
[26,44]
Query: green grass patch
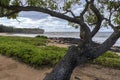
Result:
[41,41]
[26,50]
[108,59]
[32,55]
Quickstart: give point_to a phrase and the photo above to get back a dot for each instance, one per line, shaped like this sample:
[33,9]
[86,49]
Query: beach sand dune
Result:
[11,69]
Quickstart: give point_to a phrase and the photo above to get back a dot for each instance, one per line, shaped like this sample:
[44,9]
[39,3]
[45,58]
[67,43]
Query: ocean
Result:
[99,37]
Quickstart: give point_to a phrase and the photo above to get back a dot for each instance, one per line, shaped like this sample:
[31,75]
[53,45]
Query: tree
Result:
[95,13]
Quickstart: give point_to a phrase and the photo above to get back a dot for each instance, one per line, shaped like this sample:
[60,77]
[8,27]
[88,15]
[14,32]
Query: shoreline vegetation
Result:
[46,52]
[5,29]
[40,51]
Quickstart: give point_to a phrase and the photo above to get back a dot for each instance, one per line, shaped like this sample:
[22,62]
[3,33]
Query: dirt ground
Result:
[13,70]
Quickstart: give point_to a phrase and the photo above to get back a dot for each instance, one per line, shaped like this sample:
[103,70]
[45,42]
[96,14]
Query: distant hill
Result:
[21,30]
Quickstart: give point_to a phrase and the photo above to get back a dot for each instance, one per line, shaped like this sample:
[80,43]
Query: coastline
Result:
[99,37]
[14,70]
[64,41]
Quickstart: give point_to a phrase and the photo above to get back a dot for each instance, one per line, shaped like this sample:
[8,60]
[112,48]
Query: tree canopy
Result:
[109,10]
[91,13]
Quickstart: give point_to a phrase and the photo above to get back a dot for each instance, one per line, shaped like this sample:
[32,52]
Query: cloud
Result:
[44,21]
[49,24]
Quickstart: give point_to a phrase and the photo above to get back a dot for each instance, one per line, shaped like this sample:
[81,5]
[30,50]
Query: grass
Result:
[41,41]
[108,59]
[28,50]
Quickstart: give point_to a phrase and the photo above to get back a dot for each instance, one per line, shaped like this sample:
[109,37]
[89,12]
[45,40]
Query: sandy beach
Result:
[11,69]
[5,34]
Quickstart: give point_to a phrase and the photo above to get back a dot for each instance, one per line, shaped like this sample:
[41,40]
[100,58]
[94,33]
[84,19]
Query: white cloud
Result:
[46,22]
[49,24]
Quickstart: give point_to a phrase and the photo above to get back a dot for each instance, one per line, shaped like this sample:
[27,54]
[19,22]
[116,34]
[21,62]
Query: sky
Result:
[39,20]
[43,21]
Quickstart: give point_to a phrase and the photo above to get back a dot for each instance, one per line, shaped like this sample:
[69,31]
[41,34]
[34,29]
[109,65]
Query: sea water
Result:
[99,37]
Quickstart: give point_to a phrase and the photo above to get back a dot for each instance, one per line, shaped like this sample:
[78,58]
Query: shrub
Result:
[30,54]
[27,50]
[33,41]
[108,59]
[40,36]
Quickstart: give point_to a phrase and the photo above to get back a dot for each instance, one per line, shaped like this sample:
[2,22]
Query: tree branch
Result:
[71,13]
[109,20]
[99,17]
[106,45]
[84,11]
[52,13]
[44,10]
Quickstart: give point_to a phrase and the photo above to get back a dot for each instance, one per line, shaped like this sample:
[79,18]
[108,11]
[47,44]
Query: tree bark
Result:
[107,44]
[65,67]
[77,55]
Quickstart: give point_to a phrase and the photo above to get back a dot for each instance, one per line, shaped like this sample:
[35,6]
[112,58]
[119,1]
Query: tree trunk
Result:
[64,68]
[78,55]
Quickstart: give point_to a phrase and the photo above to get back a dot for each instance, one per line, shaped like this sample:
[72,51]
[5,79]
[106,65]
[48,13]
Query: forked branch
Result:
[44,10]
[85,10]
[99,19]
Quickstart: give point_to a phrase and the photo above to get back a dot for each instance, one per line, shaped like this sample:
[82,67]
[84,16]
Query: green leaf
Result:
[15,2]
[5,2]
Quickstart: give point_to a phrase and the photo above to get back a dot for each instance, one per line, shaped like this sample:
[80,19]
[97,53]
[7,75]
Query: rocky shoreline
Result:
[72,41]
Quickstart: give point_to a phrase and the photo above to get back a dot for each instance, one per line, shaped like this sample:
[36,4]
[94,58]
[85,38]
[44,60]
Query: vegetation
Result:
[31,50]
[6,29]
[32,41]
[10,29]
[108,59]
[34,52]
[88,15]
[39,36]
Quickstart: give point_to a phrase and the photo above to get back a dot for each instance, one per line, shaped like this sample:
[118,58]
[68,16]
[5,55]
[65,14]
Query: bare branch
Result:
[21,3]
[72,13]
[107,43]
[99,17]
[85,10]
[44,10]
[18,20]
[52,13]
[109,22]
